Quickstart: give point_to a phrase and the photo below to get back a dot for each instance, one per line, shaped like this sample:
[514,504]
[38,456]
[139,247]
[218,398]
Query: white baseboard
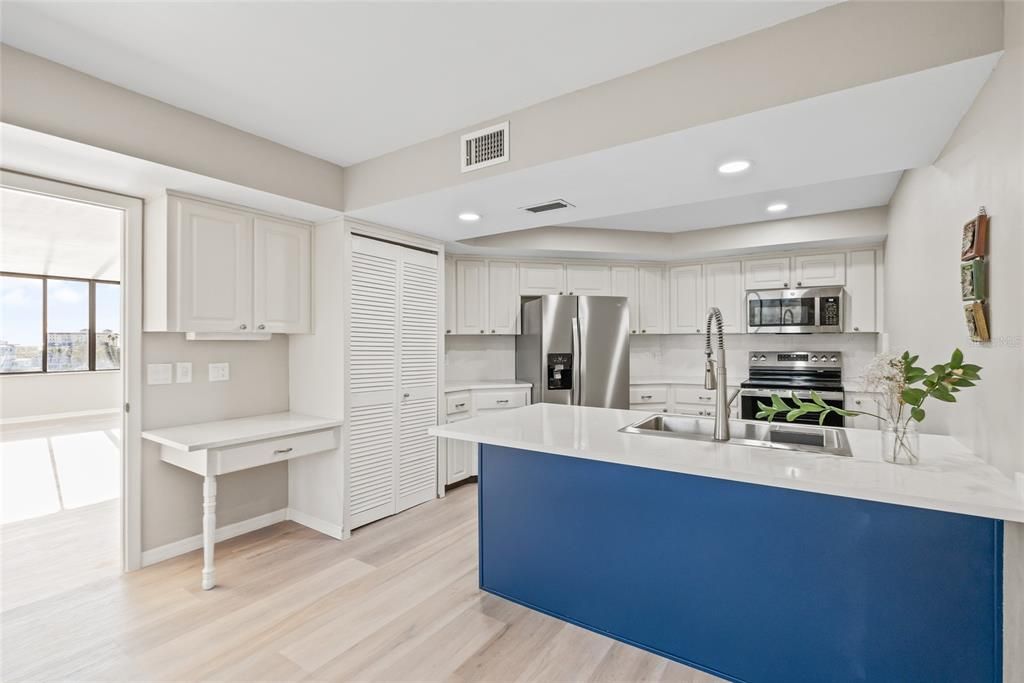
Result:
[316,524]
[186,545]
[57,416]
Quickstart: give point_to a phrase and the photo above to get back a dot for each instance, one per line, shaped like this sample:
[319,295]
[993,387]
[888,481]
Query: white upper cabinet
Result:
[214,257]
[723,287]
[819,270]
[624,284]
[652,309]
[503,297]
[471,277]
[281,276]
[538,279]
[223,270]
[767,273]
[861,293]
[450,297]
[588,278]
[686,299]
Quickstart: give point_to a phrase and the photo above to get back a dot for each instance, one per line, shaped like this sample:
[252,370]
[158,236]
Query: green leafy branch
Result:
[944,380]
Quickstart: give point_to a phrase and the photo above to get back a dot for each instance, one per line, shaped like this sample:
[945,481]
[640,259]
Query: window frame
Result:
[92,323]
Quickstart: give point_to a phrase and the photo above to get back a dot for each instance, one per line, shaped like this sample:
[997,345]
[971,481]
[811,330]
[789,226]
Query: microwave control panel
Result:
[559,371]
[829,310]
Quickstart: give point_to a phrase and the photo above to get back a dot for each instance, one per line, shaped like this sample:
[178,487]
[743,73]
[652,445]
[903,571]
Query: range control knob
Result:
[814,359]
[834,359]
[754,357]
[763,357]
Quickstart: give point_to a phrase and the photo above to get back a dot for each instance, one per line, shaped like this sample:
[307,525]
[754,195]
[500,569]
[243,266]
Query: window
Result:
[53,324]
[21,324]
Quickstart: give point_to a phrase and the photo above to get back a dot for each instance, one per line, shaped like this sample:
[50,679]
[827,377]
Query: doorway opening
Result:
[67,512]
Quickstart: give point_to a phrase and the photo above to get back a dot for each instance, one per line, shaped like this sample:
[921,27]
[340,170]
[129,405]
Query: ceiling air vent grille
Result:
[552,205]
[485,147]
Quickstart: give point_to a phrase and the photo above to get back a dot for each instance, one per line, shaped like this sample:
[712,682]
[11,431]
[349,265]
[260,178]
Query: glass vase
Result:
[900,442]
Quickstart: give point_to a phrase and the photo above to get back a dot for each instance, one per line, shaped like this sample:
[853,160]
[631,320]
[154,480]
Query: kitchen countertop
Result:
[485,384]
[223,433]
[948,477]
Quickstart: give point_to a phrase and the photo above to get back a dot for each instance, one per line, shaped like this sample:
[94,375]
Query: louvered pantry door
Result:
[418,343]
[373,382]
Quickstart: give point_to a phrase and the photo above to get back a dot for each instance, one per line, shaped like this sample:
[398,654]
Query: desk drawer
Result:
[494,399]
[648,394]
[457,402]
[248,455]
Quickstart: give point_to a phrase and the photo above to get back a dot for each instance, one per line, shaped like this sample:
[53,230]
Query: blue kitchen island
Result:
[750,564]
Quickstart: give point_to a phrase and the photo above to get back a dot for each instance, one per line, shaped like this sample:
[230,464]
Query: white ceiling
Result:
[347,81]
[43,235]
[817,154]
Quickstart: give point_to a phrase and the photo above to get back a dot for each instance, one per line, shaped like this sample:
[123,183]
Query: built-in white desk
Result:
[213,448]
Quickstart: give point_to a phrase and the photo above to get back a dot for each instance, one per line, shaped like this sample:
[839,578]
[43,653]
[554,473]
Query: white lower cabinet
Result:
[862,400]
[683,399]
[460,457]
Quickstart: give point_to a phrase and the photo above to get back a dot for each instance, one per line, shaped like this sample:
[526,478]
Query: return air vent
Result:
[552,205]
[485,147]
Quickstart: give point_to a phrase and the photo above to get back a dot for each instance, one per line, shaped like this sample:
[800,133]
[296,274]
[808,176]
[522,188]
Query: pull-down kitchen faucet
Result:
[714,374]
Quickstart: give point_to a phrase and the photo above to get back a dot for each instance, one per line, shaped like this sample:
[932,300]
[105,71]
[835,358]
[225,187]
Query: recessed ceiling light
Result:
[733,167]
[777,207]
[469,216]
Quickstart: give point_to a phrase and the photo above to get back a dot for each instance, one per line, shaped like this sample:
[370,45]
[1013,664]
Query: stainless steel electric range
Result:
[786,372]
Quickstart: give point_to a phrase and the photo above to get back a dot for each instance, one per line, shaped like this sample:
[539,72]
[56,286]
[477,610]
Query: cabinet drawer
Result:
[694,394]
[699,409]
[649,407]
[235,458]
[457,402]
[648,394]
[490,400]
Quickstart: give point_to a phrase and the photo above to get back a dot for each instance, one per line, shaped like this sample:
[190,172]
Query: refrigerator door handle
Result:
[577,349]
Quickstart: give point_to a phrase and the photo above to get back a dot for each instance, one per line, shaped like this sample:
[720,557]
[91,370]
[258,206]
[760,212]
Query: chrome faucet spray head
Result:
[709,373]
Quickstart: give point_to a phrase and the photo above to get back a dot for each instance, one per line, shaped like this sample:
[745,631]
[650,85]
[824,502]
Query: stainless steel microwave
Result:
[795,311]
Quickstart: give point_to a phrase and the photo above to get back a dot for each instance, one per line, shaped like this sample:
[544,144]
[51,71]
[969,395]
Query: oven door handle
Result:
[800,394]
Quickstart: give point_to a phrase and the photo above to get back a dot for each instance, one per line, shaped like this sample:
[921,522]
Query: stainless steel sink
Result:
[781,436]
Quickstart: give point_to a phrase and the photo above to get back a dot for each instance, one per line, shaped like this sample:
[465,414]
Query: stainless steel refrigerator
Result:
[574,350]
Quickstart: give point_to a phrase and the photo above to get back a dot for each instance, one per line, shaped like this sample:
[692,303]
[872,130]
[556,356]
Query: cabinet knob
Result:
[643,331]
[856,329]
[561,292]
[492,331]
[242,326]
[405,395]
[785,284]
[798,284]
[571,293]
[447,331]
[857,402]
[481,331]
[262,326]
[698,330]
[632,331]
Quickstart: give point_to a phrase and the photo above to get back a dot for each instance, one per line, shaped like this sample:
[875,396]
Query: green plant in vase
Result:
[904,387]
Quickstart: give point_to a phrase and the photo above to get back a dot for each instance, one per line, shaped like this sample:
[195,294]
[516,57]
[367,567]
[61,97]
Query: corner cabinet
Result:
[213,268]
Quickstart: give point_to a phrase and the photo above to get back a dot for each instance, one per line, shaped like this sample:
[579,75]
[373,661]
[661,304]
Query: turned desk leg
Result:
[209,528]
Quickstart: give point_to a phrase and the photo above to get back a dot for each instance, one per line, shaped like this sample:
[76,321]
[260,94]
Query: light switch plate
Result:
[183,373]
[158,373]
[220,372]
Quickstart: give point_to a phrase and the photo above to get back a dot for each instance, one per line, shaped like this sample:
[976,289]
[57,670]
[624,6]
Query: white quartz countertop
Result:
[947,478]
[223,433]
[485,384]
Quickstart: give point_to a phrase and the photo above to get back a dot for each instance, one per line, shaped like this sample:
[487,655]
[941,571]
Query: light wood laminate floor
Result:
[397,602]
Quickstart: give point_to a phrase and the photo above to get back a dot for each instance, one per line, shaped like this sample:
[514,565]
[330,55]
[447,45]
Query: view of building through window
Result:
[73,312]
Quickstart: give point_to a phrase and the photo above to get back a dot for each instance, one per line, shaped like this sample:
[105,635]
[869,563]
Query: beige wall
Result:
[982,164]
[27,396]
[172,497]
[41,95]
[839,47]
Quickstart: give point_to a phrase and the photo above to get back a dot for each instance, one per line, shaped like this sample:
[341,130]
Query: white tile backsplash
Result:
[482,357]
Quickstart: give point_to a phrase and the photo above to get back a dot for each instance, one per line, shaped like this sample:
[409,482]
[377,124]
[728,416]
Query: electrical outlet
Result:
[219,372]
[183,372]
[158,373]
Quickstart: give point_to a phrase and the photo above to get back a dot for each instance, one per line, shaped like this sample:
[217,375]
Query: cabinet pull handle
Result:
[460,405]
[502,400]
[242,326]
[646,398]
[262,326]
[282,451]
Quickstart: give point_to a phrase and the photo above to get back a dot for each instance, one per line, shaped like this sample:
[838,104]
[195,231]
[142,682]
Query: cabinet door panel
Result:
[624,284]
[585,278]
[768,273]
[686,299]
[723,287]
[215,253]
[281,276]
[472,300]
[861,315]
[653,304]
[503,297]
[538,279]
[819,270]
